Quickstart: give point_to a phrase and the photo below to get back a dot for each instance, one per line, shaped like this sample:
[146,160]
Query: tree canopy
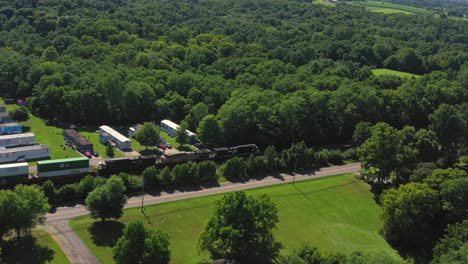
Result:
[107,201]
[241,229]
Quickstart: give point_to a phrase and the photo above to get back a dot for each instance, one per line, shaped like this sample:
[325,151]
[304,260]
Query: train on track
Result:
[74,168]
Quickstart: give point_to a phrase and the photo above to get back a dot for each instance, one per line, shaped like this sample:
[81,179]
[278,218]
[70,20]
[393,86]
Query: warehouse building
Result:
[17,140]
[81,143]
[33,152]
[11,128]
[171,128]
[107,134]
[63,167]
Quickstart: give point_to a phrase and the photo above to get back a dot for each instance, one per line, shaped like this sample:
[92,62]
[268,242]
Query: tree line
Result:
[283,71]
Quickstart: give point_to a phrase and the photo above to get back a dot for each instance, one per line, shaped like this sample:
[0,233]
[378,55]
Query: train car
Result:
[63,167]
[13,173]
[242,150]
[185,156]
[117,165]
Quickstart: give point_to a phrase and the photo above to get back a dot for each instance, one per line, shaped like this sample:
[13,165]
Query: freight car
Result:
[137,164]
[242,150]
[185,156]
[63,167]
[13,173]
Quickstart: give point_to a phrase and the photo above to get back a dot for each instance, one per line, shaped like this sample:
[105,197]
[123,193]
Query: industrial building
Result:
[63,167]
[33,152]
[17,140]
[107,134]
[11,128]
[81,143]
[171,128]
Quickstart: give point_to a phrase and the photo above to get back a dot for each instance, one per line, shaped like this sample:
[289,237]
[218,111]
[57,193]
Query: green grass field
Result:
[44,239]
[336,214]
[49,135]
[377,6]
[379,72]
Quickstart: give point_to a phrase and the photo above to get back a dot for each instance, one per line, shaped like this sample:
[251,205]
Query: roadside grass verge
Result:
[336,214]
[38,248]
[384,71]
[46,240]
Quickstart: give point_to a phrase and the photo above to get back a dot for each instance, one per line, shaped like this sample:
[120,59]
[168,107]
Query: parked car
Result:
[162,146]
[95,154]
[88,154]
[168,145]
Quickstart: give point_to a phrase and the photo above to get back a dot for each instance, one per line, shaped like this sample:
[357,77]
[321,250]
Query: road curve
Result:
[66,213]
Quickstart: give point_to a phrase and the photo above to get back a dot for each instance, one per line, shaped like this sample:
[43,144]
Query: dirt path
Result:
[70,243]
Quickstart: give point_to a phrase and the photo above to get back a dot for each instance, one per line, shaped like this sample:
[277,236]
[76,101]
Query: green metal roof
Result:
[53,161]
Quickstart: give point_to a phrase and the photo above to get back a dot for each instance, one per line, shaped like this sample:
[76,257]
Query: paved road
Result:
[78,252]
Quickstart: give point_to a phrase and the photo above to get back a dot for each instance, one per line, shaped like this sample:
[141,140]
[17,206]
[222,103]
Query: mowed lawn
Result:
[336,214]
[384,71]
[384,5]
[49,135]
[44,239]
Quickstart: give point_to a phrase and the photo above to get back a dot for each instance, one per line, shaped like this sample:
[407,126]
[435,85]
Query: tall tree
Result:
[241,229]
[379,154]
[450,126]
[209,131]
[181,133]
[139,245]
[148,135]
[410,215]
[108,200]
[453,247]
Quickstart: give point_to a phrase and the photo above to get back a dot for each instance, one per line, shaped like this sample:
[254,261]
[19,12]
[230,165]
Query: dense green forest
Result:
[266,71]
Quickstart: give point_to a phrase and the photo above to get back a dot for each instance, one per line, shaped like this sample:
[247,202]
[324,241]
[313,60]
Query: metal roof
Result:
[26,148]
[175,126]
[14,165]
[14,136]
[53,161]
[113,133]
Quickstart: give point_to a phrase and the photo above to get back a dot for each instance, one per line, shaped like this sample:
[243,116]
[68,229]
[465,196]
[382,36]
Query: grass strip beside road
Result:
[46,240]
[336,214]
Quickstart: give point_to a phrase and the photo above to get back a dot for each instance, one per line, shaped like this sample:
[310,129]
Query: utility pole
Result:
[295,168]
[142,193]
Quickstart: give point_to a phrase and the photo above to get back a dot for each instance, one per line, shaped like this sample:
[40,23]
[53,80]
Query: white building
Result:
[107,133]
[17,139]
[33,152]
[171,128]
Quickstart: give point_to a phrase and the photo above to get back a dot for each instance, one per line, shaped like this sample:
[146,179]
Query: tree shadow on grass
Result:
[25,250]
[106,233]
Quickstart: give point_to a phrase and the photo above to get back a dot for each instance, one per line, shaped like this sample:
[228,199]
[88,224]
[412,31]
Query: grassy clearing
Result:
[93,137]
[44,239]
[379,72]
[387,10]
[336,214]
[49,135]
[372,5]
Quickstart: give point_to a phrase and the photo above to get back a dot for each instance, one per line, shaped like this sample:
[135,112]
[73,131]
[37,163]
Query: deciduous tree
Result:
[241,229]
[108,200]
